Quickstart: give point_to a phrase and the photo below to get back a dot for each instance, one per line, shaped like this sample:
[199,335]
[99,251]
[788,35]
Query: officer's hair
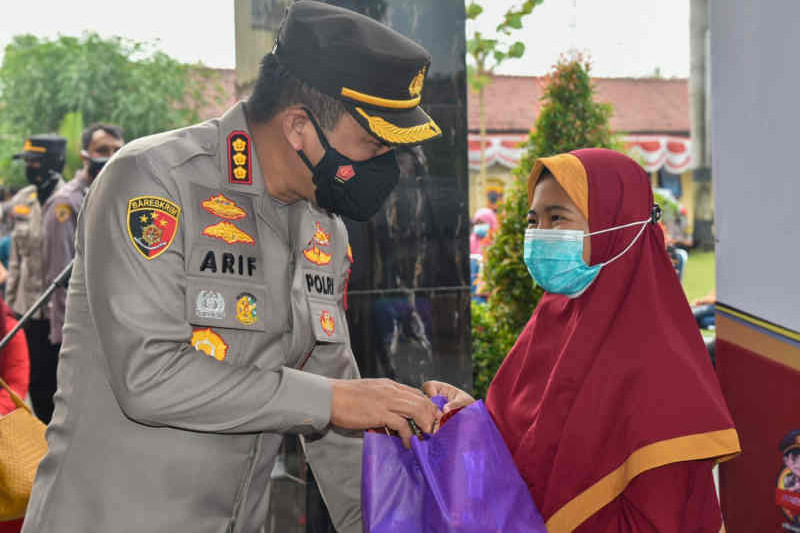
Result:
[793,453]
[276,89]
[112,129]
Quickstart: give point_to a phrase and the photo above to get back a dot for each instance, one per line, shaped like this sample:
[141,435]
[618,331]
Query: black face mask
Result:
[95,166]
[354,189]
[38,176]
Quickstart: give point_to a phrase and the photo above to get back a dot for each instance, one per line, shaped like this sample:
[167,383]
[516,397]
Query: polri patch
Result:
[152,224]
[209,342]
[239,164]
[22,210]
[224,207]
[228,232]
[63,212]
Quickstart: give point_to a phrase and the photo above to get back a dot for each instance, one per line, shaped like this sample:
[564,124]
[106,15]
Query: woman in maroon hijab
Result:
[608,400]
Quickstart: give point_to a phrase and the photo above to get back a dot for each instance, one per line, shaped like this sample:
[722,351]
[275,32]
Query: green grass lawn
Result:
[698,276]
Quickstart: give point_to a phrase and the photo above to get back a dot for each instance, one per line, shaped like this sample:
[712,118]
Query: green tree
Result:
[114,80]
[487,54]
[569,119]
[71,128]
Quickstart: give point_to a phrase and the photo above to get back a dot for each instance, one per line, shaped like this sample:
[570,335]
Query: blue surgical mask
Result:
[554,258]
[481,230]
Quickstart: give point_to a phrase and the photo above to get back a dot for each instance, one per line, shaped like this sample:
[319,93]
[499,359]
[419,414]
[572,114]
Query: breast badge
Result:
[152,224]
[327,323]
[63,212]
[210,304]
[228,232]
[239,164]
[314,251]
[207,341]
[246,309]
[223,207]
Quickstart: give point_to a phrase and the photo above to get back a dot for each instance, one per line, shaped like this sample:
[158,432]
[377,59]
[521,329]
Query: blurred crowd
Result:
[37,231]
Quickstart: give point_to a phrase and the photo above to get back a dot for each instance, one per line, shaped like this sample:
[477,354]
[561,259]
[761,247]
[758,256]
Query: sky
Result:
[622,37]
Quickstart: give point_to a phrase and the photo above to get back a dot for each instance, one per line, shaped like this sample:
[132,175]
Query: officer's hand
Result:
[378,403]
[456,398]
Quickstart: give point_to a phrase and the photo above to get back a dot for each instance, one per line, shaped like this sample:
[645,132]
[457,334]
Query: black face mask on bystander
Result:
[354,189]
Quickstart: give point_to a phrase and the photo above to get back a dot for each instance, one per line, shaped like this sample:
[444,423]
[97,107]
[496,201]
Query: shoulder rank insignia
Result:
[63,212]
[228,232]
[207,341]
[246,309]
[223,207]
[327,323]
[239,164]
[152,224]
[313,251]
[22,210]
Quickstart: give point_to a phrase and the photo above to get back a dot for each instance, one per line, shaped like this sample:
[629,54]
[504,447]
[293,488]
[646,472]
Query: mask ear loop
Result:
[322,140]
[655,216]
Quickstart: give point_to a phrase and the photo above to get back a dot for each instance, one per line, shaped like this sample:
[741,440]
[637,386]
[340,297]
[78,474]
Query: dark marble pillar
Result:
[409,291]
[409,287]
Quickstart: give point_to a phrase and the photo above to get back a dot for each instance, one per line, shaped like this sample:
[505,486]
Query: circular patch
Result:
[246,309]
[207,341]
[63,212]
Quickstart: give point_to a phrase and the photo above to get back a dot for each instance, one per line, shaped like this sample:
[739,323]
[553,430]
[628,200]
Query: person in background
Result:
[608,401]
[98,143]
[484,226]
[14,369]
[44,157]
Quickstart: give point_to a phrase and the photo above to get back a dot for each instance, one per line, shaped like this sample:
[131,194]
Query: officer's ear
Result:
[85,157]
[294,123]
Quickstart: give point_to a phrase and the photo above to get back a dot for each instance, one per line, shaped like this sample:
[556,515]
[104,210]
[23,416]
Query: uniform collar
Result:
[237,158]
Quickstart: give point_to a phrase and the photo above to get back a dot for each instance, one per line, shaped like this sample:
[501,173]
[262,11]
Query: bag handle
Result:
[14,396]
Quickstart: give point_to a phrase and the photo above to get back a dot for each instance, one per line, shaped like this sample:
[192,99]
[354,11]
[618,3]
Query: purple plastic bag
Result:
[462,479]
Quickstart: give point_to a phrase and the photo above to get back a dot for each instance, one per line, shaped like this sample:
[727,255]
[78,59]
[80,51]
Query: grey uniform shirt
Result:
[59,219]
[193,303]
[26,264]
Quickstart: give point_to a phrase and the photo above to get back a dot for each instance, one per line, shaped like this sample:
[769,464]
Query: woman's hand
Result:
[456,398]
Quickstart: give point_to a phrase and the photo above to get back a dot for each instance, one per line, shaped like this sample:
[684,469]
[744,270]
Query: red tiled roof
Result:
[220,93]
[651,105]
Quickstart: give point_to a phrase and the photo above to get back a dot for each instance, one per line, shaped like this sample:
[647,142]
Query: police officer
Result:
[98,143]
[44,157]
[205,313]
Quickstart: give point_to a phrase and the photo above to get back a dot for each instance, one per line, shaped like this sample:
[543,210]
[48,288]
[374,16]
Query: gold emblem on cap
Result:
[415,89]
[30,147]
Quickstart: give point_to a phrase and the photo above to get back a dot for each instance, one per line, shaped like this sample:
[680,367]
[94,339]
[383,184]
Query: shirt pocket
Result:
[227,317]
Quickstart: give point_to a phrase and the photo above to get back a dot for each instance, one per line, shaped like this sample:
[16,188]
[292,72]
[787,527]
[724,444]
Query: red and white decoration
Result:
[652,151]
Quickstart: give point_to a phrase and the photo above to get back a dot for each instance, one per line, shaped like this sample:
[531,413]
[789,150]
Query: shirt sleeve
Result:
[137,304]
[675,498]
[14,367]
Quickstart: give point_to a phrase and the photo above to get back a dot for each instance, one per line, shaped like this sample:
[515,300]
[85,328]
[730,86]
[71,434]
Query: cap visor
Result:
[397,128]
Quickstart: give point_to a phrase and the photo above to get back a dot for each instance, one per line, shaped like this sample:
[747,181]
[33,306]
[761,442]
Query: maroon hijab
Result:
[600,388]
